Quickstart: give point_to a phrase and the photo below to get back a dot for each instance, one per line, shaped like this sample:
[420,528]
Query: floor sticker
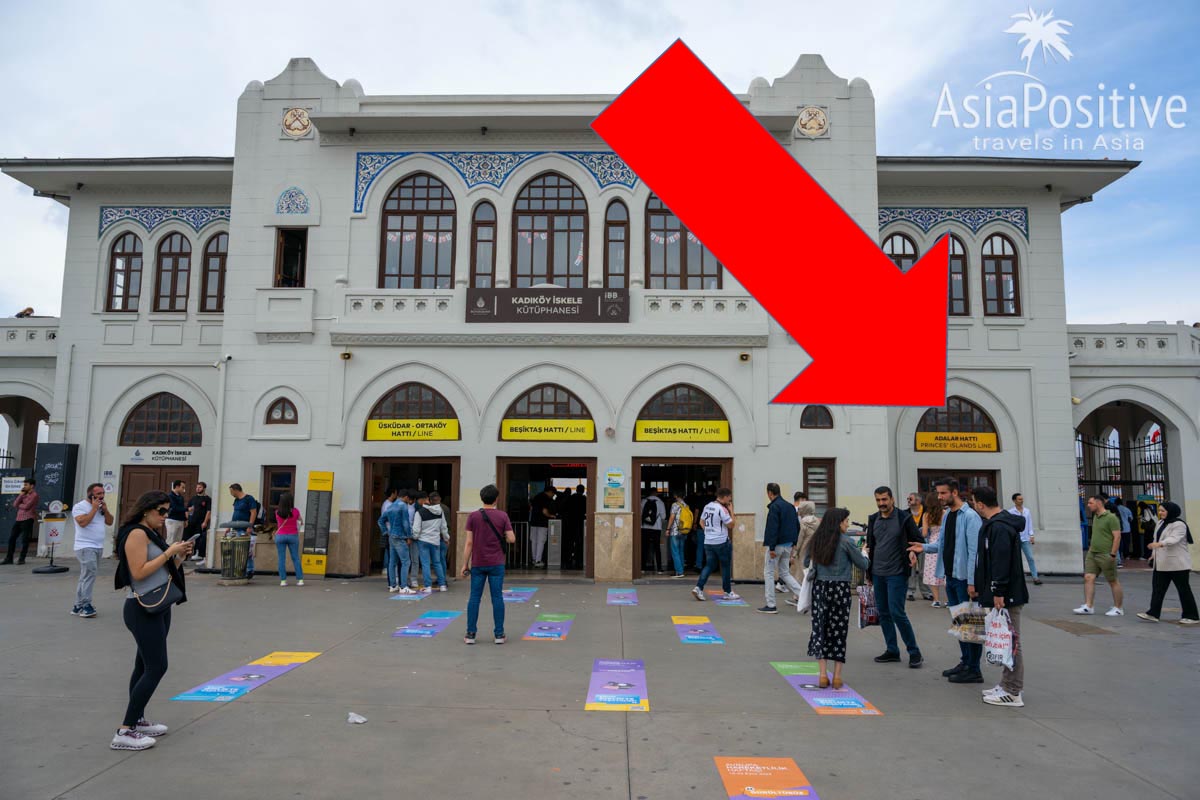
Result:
[519,594]
[617,686]
[803,677]
[549,628]
[622,597]
[777,778]
[718,597]
[233,685]
[418,595]
[696,630]
[428,625]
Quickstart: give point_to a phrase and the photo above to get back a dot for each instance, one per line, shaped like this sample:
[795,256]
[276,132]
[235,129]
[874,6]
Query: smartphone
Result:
[192,539]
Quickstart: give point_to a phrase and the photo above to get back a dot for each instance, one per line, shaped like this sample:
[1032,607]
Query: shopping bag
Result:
[998,648]
[967,622]
[804,602]
[868,612]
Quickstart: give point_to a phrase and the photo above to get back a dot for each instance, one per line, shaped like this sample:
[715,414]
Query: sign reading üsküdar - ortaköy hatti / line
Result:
[411,430]
[547,304]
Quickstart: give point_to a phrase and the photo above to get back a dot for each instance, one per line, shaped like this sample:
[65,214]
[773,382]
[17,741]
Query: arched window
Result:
[412,412]
[483,246]
[212,276]
[960,426]
[816,417]
[550,234]
[681,413]
[174,267]
[901,250]
[960,302]
[124,274]
[548,412]
[417,251]
[616,246]
[282,412]
[1001,283]
[675,258]
[161,420]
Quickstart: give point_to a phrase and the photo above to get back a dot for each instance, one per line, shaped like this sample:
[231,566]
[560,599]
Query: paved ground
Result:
[1112,710]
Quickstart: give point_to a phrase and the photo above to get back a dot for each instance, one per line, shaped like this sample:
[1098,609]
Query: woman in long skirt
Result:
[831,554]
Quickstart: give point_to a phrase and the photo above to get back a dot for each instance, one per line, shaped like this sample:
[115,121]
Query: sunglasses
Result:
[162,512]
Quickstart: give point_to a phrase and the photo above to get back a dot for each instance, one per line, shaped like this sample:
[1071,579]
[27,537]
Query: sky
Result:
[135,79]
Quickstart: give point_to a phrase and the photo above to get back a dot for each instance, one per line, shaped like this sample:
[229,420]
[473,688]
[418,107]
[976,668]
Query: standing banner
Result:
[233,685]
[317,513]
[549,628]
[428,625]
[777,778]
[519,594]
[617,686]
[622,597]
[803,676]
[696,630]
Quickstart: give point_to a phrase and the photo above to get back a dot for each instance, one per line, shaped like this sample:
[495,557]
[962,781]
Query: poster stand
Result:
[53,528]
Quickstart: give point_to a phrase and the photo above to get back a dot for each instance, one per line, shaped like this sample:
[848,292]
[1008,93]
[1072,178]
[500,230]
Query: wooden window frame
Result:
[402,408]
[447,211]
[213,304]
[899,258]
[611,225]
[830,486]
[177,274]
[950,420]
[534,193]
[816,408]
[964,266]
[135,259]
[999,261]
[279,236]
[718,414]
[686,274]
[528,395]
[283,404]
[477,225]
[130,438]
[264,498]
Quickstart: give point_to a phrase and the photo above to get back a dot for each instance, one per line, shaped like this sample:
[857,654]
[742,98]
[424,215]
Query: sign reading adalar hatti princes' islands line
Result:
[957,442]
[547,304]
[411,430]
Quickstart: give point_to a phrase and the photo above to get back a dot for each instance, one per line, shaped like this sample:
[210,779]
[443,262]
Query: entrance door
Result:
[966,478]
[699,478]
[139,479]
[425,474]
[521,480]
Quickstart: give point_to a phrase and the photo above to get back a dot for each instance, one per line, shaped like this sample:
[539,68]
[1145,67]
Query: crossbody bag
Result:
[160,598]
[492,525]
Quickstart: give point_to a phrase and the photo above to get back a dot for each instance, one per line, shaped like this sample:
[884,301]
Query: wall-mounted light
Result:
[743,357]
[346,356]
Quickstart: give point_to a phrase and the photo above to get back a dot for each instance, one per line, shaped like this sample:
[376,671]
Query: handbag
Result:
[160,598]
[804,602]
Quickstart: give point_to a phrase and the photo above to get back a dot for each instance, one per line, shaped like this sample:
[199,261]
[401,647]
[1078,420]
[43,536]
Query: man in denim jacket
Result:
[396,525]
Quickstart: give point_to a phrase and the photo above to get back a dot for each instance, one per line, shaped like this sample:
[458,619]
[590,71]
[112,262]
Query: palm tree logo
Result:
[1038,31]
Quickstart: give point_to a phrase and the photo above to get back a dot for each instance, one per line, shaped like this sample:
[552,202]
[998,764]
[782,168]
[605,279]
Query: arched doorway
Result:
[165,431]
[23,423]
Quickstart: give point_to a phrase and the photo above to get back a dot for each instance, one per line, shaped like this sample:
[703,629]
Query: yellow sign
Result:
[320,481]
[958,442]
[690,620]
[312,564]
[282,658]
[547,430]
[411,430]
[681,430]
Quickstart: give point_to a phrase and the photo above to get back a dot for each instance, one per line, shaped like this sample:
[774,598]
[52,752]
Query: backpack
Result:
[649,513]
[687,518]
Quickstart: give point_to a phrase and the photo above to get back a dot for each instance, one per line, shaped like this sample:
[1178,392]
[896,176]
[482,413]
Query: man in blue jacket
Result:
[396,525]
[779,537]
[957,552]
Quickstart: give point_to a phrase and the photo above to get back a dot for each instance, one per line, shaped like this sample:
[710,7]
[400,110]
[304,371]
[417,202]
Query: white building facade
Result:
[455,291]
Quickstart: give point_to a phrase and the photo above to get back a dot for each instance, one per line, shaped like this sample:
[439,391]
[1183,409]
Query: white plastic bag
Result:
[804,602]
[968,622]
[998,645]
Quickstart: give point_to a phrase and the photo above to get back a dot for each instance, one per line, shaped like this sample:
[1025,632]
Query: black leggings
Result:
[1159,585]
[150,632]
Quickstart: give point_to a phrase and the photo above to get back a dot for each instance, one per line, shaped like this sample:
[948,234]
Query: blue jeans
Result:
[494,576]
[443,548]
[677,554]
[1027,549]
[717,554]
[969,654]
[398,562]
[288,543]
[699,534]
[431,553]
[890,592]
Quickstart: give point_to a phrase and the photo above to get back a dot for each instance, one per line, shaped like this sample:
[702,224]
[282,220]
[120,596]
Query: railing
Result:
[1133,342]
[30,336]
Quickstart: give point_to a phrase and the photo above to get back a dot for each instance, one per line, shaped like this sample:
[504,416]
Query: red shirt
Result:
[486,550]
[26,505]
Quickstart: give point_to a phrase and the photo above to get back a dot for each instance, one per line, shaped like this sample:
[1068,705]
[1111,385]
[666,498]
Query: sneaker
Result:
[915,662]
[698,593]
[443,588]
[967,676]
[732,596]
[1085,609]
[1146,616]
[87,611]
[767,610]
[393,589]
[300,583]
[75,610]
[131,739]
[911,597]
[1189,622]
[779,587]
[887,657]
[539,564]
[469,639]
[1115,612]
[501,639]
[154,729]
[957,668]
[1037,581]
[425,590]
[283,583]
[935,604]
[1003,698]
[679,575]
[927,596]
[405,590]
[994,690]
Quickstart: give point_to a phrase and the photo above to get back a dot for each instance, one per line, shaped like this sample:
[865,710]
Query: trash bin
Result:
[235,553]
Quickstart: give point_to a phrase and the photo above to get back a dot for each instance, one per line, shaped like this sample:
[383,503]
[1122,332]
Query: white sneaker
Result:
[283,583]
[779,587]
[698,593]
[538,564]
[443,588]
[1085,609]
[733,596]
[154,729]
[300,583]
[1189,622]
[406,590]
[131,739]
[1115,612]
[393,589]
[1003,698]
[994,690]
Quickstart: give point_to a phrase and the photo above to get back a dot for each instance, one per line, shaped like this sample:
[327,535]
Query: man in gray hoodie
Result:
[429,527]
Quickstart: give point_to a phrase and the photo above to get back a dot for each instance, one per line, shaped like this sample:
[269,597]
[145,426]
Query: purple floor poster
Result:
[696,630]
[428,625]
[622,597]
[519,594]
[803,676]
[617,686]
[549,628]
[233,685]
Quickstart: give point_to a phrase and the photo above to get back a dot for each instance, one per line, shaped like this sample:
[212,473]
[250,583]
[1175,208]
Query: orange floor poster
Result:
[777,778]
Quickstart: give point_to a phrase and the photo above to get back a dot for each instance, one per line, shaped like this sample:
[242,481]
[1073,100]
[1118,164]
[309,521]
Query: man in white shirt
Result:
[91,520]
[717,521]
[1020,510]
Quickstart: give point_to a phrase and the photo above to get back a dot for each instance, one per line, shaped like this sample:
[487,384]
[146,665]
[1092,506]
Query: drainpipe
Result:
[210,551]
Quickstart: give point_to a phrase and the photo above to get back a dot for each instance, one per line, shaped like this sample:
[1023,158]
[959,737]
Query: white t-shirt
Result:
[714,518]
[1028,515]
[92,535]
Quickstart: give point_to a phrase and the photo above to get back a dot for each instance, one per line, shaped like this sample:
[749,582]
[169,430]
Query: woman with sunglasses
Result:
[145,563]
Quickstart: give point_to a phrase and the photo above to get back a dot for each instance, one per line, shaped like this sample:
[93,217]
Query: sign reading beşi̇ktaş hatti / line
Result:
[411,430]
[547,430]
[963,442]
[681,430]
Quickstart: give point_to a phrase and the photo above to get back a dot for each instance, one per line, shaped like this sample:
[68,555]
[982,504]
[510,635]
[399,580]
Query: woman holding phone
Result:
[287,538]
[149,569]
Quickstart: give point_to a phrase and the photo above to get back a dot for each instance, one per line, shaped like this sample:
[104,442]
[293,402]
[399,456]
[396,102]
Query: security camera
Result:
[743,356]
[347,356]
[228,357]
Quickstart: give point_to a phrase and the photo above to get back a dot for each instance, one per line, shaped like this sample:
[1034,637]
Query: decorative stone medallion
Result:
[813,122]
[296,122]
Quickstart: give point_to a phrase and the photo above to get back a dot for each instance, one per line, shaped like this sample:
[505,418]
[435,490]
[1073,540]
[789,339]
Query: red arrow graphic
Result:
[785,239]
